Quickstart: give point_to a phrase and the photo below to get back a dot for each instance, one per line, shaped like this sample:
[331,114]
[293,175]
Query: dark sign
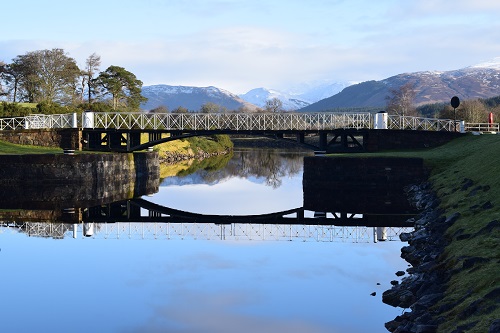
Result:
[455,102]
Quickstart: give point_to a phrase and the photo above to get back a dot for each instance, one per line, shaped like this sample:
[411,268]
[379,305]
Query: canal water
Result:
[202,277]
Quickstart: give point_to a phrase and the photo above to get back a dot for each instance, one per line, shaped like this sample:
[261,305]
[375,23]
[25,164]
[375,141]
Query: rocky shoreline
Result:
[428,274]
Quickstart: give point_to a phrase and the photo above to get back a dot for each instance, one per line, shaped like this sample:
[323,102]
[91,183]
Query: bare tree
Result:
[473,111]
[401,100]
[274,105]
[91,68]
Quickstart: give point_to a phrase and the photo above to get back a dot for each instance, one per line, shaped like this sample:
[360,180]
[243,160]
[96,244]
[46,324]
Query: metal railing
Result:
[482,127]
[236,122]
[231,121]
[420,123]
[40,121]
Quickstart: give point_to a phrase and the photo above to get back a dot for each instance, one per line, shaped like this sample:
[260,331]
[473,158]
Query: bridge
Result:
[121,131]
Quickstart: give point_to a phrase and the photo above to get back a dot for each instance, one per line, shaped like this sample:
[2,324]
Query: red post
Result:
[490,120]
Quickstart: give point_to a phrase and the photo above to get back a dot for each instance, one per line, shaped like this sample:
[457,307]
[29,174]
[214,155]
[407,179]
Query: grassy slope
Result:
[476,158]
[11,148]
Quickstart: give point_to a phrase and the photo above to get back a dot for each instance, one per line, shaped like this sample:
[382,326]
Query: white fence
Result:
[239,122]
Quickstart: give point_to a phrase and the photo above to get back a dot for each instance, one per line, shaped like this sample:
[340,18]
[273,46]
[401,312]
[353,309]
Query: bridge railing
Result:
[40,121]
[12,123]
[232,121]
[420,123]
[482,127]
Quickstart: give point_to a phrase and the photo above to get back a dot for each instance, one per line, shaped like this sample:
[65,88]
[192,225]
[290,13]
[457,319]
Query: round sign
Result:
[455,102]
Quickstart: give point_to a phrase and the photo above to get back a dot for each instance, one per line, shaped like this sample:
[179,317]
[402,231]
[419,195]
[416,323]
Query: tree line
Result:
[401,101]
[52,80]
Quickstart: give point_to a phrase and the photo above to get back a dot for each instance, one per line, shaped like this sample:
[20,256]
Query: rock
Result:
[426,328]
[405,236]
[466,184]
[452,218]
[495,326]
[394,282]
[472,261]
[487,205]
[373,294]
[400,273]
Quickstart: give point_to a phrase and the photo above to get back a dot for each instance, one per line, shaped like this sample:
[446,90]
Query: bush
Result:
[13,110]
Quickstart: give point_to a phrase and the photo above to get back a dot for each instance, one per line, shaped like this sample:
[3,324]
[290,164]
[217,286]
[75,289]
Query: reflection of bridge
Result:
[139,218]
[122,130]
[140,210]
[206,231]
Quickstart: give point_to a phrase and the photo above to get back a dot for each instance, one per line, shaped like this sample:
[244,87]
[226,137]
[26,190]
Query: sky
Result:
[239,45]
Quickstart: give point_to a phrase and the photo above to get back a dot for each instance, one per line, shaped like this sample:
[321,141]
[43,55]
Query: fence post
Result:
[462,126]
[74,120]
[88,119]
[381,120]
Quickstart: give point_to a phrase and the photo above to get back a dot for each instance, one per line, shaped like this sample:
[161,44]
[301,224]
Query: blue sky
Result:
[239,45]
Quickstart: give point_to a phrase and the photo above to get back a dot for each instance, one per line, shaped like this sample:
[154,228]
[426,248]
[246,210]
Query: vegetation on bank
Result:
[7,148]
[194,146]
[465,176]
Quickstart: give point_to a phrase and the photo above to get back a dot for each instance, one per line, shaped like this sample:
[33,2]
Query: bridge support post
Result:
[114,140]
[154,136]
[300,137]
[323,140]
[93,140]
[133,139]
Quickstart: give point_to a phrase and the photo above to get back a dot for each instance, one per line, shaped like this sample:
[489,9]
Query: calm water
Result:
[184,278]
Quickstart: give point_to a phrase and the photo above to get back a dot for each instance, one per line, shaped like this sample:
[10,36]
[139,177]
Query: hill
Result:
[191,98]
[430,87]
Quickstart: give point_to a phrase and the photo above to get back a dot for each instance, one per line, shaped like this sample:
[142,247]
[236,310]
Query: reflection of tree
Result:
[271,165]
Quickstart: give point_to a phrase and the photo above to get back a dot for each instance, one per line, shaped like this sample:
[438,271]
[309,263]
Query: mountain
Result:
[478,81]
[296,97]
[259,96]
[191,98]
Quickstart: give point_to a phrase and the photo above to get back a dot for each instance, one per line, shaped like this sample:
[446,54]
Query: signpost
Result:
[455,102]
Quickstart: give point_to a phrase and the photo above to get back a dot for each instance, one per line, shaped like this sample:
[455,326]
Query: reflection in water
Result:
[207,231]
[250,277]
[263,165]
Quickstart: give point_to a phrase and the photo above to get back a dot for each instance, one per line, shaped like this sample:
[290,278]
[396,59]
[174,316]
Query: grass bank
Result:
[465,174]
[7,148]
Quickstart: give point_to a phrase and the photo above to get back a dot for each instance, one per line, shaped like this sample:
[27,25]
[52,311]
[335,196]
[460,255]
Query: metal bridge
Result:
[121,131]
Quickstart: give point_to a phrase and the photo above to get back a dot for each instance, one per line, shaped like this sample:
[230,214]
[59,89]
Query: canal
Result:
[202,277]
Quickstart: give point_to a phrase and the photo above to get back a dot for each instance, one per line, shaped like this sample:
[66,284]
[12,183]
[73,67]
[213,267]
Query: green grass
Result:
[476,158]
[7,148]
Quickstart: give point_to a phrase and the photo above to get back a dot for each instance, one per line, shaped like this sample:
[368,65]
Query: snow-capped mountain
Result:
[259,96]
[478,81]
[297,96]
[492,64]
[191,98]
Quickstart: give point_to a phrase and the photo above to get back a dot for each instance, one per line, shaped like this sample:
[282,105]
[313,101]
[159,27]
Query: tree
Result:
[45,75]
[180,109]
[210,107]
[274,105]
[123,86]
[473,111]
[401,100]
[159,109]
[91,68]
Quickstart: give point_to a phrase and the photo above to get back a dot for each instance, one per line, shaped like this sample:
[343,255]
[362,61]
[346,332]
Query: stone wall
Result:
[376,140]
[67,138]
